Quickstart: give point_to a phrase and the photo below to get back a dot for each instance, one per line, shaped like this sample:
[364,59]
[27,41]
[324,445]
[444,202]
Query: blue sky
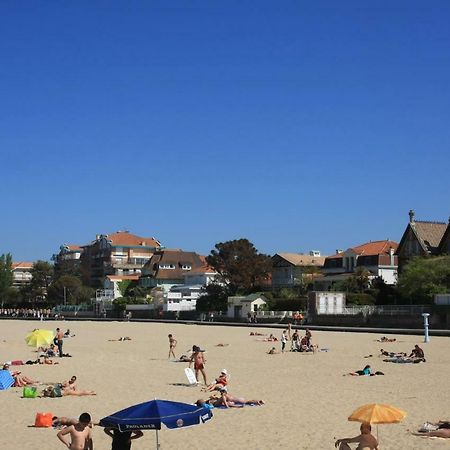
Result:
[298,125]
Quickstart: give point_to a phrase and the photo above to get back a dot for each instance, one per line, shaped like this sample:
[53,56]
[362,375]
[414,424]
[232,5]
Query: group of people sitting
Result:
[302,344]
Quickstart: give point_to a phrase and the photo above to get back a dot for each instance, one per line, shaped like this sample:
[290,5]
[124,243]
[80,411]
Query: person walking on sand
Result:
[79,436]
[198,357]
[172,345]
[59,341]
[366,441]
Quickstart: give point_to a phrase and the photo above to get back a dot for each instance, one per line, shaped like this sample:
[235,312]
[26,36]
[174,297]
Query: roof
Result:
[298,259]
[122,277]
[252,297]
[429,233]
[375,247]
[127,239]
[22,265]
[178,258]
[74,247]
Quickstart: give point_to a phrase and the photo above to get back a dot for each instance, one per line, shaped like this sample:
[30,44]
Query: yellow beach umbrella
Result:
[377,413]
[39,338]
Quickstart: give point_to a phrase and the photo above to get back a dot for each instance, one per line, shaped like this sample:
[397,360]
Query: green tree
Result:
[422,278]
[214,298]
[69,289]
[6,275]
[240,267]
[42,273]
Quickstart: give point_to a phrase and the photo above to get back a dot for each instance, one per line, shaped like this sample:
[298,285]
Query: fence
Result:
[386,310]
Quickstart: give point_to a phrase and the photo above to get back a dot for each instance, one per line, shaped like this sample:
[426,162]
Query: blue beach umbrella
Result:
[6,380]
[150,416]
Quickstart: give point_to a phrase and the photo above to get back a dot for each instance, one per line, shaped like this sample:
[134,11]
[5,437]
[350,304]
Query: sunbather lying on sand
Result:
[125,338]
[366,371]
[392,354]
[440,432]
[255,333]
[385,339]
[229,401]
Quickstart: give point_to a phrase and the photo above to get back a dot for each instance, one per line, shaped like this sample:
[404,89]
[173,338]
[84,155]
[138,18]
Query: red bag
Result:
[43,420]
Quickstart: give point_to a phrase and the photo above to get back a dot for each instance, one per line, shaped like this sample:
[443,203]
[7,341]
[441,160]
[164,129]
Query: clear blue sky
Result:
[297,124]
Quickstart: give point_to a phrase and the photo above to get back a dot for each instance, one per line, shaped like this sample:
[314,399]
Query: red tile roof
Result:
[375,247]
[73,247]
[123,277]
[128,239]
[22,265]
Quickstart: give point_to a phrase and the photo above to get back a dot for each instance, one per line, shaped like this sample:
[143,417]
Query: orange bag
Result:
[43,419]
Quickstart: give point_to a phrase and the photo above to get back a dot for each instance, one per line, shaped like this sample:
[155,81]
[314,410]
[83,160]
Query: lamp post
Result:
[425,323]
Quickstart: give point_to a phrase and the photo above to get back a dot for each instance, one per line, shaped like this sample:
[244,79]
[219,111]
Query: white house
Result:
[241,307]
[182,298]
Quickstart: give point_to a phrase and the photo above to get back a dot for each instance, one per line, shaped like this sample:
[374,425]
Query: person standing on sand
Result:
[366,441]
[121,440]
[198,357]
[59,341]
[284,339]
[80,434]
[172,345]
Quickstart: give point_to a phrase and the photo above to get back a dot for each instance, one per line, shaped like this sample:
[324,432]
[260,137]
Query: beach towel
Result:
[6,380]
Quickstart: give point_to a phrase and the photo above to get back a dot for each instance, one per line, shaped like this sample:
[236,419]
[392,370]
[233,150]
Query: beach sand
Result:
[307,398]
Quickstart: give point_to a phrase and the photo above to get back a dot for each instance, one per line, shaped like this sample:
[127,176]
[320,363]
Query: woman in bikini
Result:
[199,360]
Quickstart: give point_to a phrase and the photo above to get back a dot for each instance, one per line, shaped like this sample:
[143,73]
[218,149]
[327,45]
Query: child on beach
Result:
[172,345]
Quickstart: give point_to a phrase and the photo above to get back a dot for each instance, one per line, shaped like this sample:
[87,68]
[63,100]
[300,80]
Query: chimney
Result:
[391,254]
[412,216]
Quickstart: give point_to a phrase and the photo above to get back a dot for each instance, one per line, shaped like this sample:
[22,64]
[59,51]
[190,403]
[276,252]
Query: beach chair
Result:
[190,376]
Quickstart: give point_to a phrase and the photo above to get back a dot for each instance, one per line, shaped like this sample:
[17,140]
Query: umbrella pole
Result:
[157,441]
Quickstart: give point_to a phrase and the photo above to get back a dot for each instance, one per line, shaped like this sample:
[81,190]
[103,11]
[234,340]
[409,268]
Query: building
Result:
[423,238]
[168,267]
[241,307]
[111,283]
[120,253]
[377,257]
[22,274]
[291,269]
[182,298]
[68,258]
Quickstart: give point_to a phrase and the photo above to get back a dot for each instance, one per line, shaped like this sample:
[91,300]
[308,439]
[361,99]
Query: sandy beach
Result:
[307,398]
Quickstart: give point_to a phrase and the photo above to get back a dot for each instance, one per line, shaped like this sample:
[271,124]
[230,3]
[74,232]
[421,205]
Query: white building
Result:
[182,298]
[111,282]
[241,307]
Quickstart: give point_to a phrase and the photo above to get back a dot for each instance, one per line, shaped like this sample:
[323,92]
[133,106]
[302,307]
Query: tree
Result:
[42,273]
[239,265]
[422,278]
[214,298]
[6,274]
[69,289]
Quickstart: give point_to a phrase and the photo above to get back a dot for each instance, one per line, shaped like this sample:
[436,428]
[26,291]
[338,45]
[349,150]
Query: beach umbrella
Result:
[150,415]
[377,413]
[6,380]
[39,338]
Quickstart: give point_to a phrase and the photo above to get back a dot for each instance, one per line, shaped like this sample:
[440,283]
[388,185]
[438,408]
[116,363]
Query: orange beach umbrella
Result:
[377,413]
